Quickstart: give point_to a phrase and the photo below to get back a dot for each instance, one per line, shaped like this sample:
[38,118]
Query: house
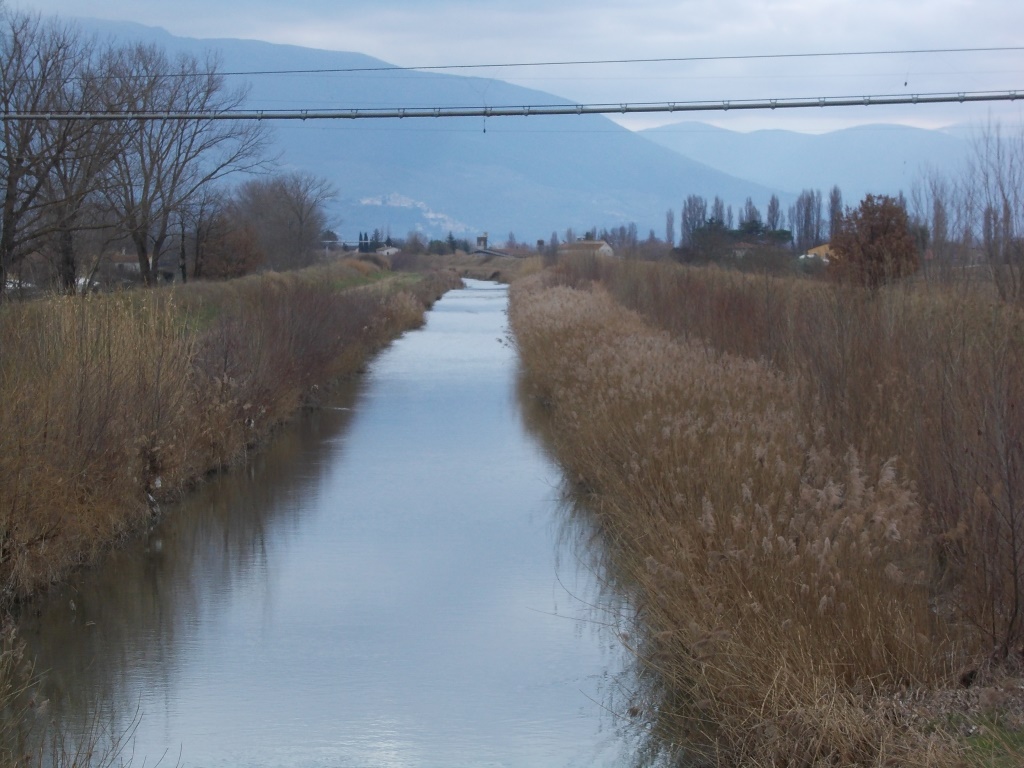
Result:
[822,252]
[125,261]
[586,248]
[387,250]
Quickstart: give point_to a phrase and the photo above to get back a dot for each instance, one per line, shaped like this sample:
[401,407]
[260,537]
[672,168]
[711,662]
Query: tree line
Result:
[72,190]
[965,222]
[805,225]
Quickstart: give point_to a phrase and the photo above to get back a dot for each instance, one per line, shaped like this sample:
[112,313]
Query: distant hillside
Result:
[530,175]
[880,159]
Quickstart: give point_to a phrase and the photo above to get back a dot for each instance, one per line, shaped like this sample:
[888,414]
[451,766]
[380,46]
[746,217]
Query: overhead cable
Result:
[660,60]
[535,110]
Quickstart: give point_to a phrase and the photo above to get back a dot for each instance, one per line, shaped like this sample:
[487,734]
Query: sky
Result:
[416,33]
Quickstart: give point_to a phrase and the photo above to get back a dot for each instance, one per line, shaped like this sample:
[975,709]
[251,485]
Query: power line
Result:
[535,110]
[661,60]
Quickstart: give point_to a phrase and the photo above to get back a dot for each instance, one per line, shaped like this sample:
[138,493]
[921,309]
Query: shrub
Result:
[873,244]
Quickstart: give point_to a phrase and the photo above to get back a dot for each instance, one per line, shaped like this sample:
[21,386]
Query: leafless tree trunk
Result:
[75,184]
[805,220]
[196,222]
[773,218]
[287,215]
[165,163]
[39,63]
[693,216]
[835,211]
[995,180]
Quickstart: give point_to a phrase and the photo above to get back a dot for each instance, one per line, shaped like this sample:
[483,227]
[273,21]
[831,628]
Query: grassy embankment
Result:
[502,269]
[111,403]
[808,491]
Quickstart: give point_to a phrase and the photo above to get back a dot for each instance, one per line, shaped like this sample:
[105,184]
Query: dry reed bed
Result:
[782,586]
[110,403]
[931,373]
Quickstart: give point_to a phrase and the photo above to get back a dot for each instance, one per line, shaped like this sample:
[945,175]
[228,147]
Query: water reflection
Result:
[384,586]
[142,610]
[634,692]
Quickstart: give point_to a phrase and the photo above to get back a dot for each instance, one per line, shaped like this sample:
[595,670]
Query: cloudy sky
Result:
[444,32]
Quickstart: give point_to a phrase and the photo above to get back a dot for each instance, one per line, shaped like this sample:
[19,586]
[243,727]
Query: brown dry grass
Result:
[112,402]
[932,374]
[504,269]
[780,557]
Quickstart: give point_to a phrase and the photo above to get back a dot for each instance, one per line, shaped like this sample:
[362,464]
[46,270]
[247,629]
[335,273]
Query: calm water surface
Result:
[387,585]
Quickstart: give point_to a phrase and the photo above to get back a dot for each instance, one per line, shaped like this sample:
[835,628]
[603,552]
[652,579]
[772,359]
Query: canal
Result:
[392,582]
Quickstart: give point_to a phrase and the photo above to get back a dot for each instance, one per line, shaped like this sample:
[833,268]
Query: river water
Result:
[390,583]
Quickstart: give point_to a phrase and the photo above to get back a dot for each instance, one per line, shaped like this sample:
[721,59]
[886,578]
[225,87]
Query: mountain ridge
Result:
[531,175]
[879,158]
[528,175]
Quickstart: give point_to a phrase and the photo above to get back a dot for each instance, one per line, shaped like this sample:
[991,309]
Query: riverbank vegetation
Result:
[115,402]
[811,493]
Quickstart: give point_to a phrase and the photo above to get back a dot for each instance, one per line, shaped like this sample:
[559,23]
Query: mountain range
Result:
[875,159]
[526,175]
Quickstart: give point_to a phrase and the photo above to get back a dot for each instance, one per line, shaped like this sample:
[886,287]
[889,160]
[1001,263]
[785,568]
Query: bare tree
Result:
[287,216]
[835,211]
[717,210]
[750,217]
[773,216]
[229,250]
[415,243]
[996,195]
[74,186]
[305,198]
[939,205]
[670,228]
[551,252]
[939,223]
[39,63]
[806,221]
[165,163]
[201,222]
[874,244]
[694,216]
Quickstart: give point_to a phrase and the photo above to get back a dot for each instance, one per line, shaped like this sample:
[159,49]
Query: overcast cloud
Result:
[443,32]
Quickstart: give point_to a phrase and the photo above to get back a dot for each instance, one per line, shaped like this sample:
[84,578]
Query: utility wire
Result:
[529,110]
[673,59]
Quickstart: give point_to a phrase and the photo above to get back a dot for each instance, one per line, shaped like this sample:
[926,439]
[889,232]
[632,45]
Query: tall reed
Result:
[96,397]
[930,373]
[783,586]
[109,403]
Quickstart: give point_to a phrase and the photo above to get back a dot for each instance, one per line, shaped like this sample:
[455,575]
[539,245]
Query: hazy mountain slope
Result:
[881,159]
[528,175]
